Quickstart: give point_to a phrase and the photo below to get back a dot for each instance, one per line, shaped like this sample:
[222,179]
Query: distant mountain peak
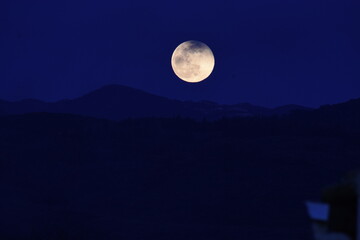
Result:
[119,102]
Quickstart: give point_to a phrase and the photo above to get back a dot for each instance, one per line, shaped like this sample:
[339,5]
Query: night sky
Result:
[267,52]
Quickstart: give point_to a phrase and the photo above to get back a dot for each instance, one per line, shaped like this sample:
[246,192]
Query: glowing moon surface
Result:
[193,61]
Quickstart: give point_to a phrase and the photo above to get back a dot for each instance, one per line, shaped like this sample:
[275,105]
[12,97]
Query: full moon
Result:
[193,61]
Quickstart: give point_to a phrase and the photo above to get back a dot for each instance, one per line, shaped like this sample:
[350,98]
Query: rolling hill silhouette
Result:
[118,102]
[66,176]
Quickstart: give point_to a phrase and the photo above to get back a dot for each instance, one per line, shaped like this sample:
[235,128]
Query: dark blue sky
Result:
[268,52]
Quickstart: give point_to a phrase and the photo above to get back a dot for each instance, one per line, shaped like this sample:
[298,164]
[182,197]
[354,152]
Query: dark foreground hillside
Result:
[71,177]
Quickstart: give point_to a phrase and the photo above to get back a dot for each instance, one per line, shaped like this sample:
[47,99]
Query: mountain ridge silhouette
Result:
[118,102]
